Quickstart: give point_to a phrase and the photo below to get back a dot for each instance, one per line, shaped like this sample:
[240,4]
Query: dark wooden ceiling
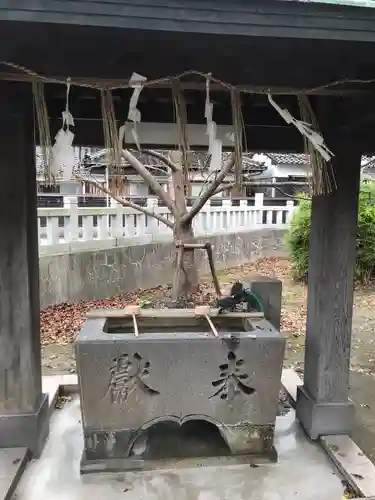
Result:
[305,53]
[249,18]
[114,53]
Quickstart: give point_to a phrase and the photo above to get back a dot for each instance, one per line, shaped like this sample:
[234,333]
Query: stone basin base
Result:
[167,441]
[136,390]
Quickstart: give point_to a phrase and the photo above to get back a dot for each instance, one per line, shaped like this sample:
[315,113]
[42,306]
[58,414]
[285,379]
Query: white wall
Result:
[138,189]
[291,170]
[196,189]
[70,188]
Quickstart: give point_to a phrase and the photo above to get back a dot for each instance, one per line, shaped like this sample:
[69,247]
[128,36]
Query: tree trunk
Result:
[236,192]
[186,274]
[186,281]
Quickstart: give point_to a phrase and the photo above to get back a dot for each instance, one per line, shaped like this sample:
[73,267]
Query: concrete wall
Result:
[107,272]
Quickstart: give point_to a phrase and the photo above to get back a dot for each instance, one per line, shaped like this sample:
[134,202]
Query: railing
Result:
[96,226]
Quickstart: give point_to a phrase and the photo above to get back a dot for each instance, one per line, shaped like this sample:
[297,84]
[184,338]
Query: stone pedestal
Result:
[323,406]
[269,292]
[23,407]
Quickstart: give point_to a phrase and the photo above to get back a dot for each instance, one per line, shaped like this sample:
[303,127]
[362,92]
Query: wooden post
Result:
[323,406]
[23,407]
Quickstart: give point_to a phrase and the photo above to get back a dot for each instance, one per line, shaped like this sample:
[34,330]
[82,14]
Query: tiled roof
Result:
[39,162]
[198,160]
[368,163]
[288,159]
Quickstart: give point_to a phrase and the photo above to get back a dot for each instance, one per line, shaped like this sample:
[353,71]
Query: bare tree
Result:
[182,225]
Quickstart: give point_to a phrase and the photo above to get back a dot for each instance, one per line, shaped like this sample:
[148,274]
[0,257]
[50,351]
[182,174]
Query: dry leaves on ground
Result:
[61,323]
[293,321]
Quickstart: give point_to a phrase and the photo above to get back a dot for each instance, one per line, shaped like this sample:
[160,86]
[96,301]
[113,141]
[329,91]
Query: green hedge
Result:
[297,239]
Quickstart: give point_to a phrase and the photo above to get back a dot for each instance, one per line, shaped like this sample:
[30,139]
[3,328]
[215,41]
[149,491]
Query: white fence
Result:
[98,226]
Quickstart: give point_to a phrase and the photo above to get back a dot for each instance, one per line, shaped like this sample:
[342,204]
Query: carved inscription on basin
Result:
[232,379]
[128,383]
[128,374]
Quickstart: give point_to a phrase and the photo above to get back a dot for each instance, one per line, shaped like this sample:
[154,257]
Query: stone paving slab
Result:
[291,381]
[351,462]
[14,460]
[12,463]
[56,475]
[303,472]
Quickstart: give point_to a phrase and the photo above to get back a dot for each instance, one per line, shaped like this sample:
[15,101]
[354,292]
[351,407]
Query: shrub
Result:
[297,239]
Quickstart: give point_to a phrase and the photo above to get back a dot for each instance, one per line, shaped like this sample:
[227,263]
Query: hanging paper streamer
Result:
[230,136]
[322,178]
[63,157]
[305,129]
[63,154]
[215,146]
[134,115]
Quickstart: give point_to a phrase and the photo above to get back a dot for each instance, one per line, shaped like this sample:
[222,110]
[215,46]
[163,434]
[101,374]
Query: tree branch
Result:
[150,181]
[127,203]
[161,157]
[291,196]
[209,191]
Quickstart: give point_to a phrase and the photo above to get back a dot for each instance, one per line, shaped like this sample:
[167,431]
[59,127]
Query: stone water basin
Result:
[175,373]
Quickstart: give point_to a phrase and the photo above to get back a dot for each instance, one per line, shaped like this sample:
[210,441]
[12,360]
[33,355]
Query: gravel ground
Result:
[60,324]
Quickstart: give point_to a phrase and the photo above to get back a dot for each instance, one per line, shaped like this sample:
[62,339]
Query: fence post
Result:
[243,222]
[88,227]
[226,215]
[71,229]
[289,211]
[279,217]
[53,230]
[117,228]
[258,205]
[39,230]
[198,223]
[152,228]
[103,226]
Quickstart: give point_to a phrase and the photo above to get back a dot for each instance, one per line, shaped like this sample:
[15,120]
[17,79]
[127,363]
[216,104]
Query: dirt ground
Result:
[60,323]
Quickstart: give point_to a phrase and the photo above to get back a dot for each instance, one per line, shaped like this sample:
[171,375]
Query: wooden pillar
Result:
[23,407]
[323,407]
